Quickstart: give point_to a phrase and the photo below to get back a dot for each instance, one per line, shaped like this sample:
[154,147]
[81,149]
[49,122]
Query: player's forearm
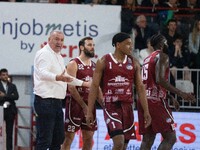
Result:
[93,94]
[170,87]
[74,93]
[143,98]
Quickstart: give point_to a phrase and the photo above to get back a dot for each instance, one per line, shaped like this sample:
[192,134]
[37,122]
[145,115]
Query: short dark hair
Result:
[119,37]
[82,41]
[3,70]
[171,20]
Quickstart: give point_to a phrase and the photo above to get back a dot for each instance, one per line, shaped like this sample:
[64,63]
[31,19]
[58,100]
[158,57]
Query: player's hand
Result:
[89,119]
[87,84]
[176,105]
[188,97]
[174,102]
[147,119]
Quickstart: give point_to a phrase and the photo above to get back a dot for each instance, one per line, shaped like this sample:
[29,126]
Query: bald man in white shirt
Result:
[50,84]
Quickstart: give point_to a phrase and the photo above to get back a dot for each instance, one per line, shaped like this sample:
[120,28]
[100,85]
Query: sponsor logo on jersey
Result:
[115,98]
[119,91]
[118,81]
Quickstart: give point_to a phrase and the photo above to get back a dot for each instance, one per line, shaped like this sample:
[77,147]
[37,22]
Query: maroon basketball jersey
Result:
[117,82]
[85,73]
[154,91]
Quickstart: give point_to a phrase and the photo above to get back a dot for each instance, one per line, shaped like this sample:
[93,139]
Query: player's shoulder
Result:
[73,62]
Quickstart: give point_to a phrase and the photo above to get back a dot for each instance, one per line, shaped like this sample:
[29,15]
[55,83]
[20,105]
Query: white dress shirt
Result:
[48,64]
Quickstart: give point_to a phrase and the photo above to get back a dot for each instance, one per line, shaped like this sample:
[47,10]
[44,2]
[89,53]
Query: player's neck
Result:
[119,57]
[86,60]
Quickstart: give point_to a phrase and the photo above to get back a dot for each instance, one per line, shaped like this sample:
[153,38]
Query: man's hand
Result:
[87,84]
[147,119]
[188,97]
[174,102]
[176,105]
[2,94]
[64,78]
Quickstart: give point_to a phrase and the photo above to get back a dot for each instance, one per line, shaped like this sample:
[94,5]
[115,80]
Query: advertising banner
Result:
[25,27]
[187,131]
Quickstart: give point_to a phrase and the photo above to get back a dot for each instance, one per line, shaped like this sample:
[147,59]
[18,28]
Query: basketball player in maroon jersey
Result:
[82,68]
[155,73]
[116,73]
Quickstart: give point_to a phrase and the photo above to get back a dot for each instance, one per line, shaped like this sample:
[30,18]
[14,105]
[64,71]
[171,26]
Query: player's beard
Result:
[88,53]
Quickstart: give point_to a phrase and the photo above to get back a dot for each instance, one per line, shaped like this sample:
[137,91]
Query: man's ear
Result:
[81,47]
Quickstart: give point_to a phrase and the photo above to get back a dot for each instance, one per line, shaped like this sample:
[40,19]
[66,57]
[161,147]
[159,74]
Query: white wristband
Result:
[76,82]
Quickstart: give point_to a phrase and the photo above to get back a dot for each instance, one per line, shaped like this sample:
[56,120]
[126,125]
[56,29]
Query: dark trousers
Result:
[49,123]
[9,118]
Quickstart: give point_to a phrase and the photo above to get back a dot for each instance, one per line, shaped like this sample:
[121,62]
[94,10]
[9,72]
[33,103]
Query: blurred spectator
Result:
[145,52]
[171,4]
[189,12]
[142,32]
[11,0]
[127,17]
[40,1]
[190,6]
[168,9]
[179,58]
[194,44]
[114,2]
[8,96]
[151,6]
[94,2]
[150,9]
[171,32]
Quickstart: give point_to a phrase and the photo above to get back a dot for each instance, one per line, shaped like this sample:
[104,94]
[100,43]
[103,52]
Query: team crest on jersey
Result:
[129,67]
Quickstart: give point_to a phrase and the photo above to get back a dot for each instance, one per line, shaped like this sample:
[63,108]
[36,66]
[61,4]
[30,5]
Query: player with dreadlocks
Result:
[155,73]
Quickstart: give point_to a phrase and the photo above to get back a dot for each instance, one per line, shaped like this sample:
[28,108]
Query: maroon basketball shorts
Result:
[75,117]
[162,119]
[119,119]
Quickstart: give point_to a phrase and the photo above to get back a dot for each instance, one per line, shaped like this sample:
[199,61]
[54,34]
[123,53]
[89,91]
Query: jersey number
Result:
[145,72]
[113,124]
[110,65]
[71,128]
